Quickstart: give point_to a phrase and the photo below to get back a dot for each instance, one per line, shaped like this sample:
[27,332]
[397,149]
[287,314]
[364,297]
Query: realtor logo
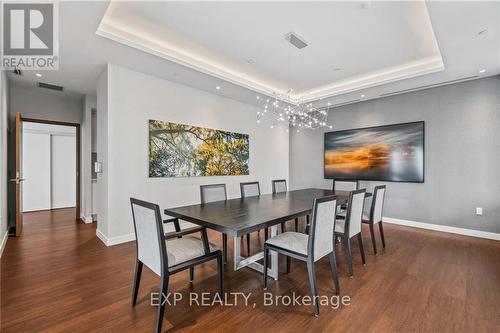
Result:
[30,36]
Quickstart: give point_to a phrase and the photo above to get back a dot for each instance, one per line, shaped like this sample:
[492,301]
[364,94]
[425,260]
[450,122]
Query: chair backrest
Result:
[355,212]
[213,192]
[250,189]
[377,203]
[150,241]
[345,185]
[279,186]
[322,227]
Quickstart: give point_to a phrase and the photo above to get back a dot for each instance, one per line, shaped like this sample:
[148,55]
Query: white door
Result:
[63,171]
[36,171]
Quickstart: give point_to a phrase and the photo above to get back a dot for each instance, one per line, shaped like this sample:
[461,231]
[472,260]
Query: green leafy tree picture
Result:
[177,150]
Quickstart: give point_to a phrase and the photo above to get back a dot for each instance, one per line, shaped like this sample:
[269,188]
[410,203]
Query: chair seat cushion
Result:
[340,226]
[291,241]
[342,214]
[186,248]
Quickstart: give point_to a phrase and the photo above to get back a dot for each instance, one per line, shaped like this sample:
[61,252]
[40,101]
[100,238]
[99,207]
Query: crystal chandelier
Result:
[298,114]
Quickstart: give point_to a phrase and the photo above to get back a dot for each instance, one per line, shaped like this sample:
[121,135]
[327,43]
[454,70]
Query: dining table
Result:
[241,216]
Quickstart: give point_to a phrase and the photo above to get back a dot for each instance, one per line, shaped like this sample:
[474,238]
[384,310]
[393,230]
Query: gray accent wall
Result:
[462,153]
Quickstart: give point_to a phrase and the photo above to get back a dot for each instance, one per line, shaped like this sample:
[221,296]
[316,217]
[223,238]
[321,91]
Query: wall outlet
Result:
[479,211]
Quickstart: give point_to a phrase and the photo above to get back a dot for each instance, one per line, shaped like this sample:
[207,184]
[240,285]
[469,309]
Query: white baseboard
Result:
[4,241]
[110,241]
[86,219]
[444,228]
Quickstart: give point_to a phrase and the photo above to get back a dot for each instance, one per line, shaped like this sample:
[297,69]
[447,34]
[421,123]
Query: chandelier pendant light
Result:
[283,108]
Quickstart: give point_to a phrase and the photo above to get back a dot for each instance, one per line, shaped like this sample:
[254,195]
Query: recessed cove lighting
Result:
[218,88]
[38,75]
[482,71]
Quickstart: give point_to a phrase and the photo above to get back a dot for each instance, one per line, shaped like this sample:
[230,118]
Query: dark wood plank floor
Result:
[58,277]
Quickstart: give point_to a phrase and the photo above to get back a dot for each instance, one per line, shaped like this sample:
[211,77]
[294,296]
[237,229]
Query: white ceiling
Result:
[221,38]
[208,45]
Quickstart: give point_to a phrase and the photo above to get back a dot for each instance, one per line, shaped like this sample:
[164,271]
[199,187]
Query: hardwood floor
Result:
[59,277]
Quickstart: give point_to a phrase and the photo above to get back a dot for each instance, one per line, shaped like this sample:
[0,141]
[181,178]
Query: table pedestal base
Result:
[252,261]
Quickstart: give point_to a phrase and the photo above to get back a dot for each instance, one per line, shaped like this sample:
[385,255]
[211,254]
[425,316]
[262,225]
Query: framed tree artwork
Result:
[177,150]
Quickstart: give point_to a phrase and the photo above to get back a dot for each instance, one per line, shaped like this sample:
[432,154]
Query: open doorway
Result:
[50,156]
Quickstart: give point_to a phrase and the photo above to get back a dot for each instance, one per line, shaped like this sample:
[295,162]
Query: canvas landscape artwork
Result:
[384,153]
[177,150]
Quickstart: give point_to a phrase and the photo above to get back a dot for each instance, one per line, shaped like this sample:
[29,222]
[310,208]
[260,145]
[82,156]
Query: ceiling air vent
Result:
[295,40]
[50,86]
[345,103]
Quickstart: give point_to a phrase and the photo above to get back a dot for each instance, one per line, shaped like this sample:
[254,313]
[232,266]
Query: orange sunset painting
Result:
[384,153]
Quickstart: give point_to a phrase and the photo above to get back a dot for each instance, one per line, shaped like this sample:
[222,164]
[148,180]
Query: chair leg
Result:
[191,274]
[283,229]
[266,234]
[361,248]
[288,264]
[348,254]
[374,243]
[248,244]
[137,281]
[333,265]
[224,247]
[382,233]
[296,225]
[266,260]
[221,275]
[161,307]
[312,283]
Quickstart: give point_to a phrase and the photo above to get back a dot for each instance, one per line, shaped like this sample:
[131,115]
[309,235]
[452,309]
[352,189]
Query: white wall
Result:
[39,103]
[102,194]
[462,153]
[134,98]
[89,103]
[36,171]
[4,103]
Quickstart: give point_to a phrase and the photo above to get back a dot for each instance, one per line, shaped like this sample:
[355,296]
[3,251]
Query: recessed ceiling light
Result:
[218,88]
[38,75]
[365,5]
[258,97]
[362,95]
[483,32]
[482,71]
[329,103]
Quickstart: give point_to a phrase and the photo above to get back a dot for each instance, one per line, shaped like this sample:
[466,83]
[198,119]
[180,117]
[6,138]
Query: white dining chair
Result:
[375,215]
[167,254]
[309,248]
[347,228]
[214,193]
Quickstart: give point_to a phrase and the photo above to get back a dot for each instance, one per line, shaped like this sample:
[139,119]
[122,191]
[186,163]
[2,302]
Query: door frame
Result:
[78,152]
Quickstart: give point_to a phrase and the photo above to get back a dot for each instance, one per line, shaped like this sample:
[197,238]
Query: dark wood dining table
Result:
[241,216]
